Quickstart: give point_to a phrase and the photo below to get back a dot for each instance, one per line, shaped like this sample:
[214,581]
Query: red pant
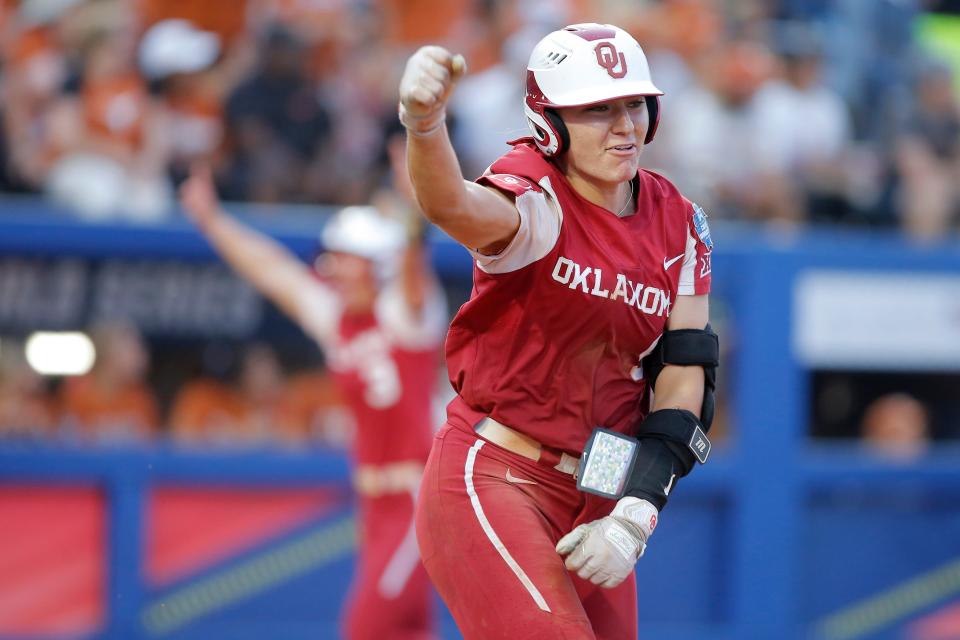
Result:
[488,544]
[390,598]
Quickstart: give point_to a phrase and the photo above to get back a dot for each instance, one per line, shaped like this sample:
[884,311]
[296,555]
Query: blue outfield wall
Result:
[776,537]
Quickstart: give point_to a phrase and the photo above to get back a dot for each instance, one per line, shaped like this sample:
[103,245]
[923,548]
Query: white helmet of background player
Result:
[363,231]
[580,65]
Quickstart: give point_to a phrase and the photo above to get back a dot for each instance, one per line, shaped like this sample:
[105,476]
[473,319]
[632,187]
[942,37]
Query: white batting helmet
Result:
[580,65]
[363,231]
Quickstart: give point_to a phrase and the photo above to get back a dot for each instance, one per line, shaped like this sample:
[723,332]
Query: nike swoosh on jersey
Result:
[515,480]
[669,263]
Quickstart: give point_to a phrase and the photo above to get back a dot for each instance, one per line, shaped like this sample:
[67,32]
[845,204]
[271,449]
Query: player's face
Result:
[606,139]
[352,276]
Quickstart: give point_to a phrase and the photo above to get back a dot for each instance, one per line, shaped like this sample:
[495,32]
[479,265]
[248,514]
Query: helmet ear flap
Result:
[544,131]
[653,110]
[563,136]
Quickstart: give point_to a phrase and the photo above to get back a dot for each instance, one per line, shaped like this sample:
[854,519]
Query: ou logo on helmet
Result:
[609,58]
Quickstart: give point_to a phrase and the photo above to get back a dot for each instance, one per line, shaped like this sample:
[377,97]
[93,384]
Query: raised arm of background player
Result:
[416,277]
[475,216]
[485,218]
[272,269]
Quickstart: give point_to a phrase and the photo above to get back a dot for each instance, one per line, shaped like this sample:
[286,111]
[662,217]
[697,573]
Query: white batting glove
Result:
[604,551]
[425,88]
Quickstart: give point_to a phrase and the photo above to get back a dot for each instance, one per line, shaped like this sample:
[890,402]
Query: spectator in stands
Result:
[896,425]
[872,49]
[111,144]
[213,410]
[928,157]
[204,412]
[35,71]
[27,410]
[359,102]
[40,43]
[485,103]
[409,24]
[264,411]
[679,36]
[804,129]
[113,403]
[261,407]
[278,124]
[228,20]
[180,62]
[713,139]
[317,411]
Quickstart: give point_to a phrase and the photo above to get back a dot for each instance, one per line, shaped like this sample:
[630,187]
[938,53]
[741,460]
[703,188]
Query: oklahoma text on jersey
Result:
[649,300]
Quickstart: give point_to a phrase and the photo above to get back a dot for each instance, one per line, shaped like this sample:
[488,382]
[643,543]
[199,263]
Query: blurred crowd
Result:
[775,110]
[242,398]
[245,396]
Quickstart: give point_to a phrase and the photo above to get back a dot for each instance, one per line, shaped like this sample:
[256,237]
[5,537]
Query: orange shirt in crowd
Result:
[26,413]
[27,44]
[34,73]
[116,108]
[322,18]
[100,413]
[316,409]
[414,22]
[8,18]
[207,411]
[194,121]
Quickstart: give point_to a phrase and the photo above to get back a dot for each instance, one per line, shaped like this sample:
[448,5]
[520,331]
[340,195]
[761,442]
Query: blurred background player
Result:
[379,316]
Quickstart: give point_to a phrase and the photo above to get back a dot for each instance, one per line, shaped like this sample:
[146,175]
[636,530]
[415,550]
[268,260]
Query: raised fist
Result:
[427,81]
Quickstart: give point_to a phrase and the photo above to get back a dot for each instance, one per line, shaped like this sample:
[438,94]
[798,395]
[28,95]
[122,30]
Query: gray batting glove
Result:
[425,87]
[605,551]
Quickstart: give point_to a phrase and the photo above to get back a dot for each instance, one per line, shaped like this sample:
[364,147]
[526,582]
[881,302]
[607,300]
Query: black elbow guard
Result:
[671,442]
[688,347]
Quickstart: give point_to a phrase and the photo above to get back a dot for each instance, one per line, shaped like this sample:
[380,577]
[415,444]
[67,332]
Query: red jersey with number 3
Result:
[384,363]
[551,339]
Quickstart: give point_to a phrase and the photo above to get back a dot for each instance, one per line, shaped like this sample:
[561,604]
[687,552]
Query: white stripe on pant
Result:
[492,535]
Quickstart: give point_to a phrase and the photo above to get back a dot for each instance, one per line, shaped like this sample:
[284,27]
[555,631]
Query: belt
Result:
[523,445]
[397,477]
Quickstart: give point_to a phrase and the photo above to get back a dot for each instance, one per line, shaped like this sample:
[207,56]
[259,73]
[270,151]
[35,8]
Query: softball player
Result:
[379,316]
[590,290]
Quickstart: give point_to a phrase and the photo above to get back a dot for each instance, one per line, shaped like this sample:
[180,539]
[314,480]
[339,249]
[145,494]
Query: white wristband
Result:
[638,511]
[422,126]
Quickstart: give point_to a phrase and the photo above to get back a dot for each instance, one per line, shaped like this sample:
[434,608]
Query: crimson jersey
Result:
[551,339]
[384,363]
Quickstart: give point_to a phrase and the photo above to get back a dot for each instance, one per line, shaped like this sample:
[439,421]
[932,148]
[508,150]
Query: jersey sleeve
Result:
[540,219]
[406,328]
[696,269]
[318,313]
